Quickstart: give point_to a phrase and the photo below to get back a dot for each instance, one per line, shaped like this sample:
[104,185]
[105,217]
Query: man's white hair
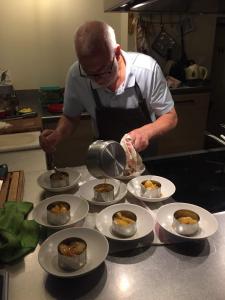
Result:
[94,36]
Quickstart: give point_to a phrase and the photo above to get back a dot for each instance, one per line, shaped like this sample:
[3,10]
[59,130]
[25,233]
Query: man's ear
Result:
[118,51]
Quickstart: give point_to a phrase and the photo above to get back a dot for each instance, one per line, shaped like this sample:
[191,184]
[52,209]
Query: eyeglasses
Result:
[86,75]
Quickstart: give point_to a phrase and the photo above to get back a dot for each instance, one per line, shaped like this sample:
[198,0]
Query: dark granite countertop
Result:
[199,176]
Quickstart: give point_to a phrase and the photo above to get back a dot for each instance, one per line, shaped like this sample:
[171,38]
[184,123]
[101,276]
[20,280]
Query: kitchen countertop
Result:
[22,125]
[31,98]
[191,89]
[19,141]
[193,270]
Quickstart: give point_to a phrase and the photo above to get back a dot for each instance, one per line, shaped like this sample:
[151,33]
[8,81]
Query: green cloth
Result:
[17,235]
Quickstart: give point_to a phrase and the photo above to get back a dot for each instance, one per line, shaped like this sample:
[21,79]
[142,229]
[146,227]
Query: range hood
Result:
[166,6]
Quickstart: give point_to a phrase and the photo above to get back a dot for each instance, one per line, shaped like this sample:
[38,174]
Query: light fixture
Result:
[143,3]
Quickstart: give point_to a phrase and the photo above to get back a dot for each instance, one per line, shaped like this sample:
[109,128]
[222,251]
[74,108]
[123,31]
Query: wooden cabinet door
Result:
[192,110]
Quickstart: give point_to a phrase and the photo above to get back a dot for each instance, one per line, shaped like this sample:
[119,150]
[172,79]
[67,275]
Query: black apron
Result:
[114,122]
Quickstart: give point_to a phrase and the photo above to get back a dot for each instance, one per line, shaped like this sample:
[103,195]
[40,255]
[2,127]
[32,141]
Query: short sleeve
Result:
[72,106]
[158,96]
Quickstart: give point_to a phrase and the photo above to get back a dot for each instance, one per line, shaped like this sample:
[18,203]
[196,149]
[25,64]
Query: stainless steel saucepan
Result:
[106,159]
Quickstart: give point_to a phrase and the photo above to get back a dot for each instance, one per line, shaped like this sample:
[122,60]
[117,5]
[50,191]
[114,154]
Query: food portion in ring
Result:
[72,253]
[186,222]
[124,223]
[104,192]
[59,179]
[151,188]
[58,213]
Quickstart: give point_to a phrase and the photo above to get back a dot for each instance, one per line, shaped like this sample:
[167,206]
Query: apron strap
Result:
[96,97]
[141,101]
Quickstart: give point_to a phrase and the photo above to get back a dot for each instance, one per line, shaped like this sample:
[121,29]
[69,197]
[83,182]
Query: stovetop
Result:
[199,178]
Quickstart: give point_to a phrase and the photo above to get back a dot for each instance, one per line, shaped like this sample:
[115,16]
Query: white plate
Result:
[97,250]
[44,180]
[86,191]
[133,175]
[208,223]
[167,188]
[145,222]
[78,210]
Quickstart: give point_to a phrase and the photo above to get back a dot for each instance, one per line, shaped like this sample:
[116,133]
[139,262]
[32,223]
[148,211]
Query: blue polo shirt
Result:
[141,68]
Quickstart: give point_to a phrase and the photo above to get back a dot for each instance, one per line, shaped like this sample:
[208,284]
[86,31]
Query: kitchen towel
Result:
[18,236]
[134,160]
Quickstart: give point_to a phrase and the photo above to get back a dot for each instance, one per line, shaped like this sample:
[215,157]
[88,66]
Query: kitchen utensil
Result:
[163,43]
[3,76]
[106,159]
[53,164]
[21,116]
[177,70]
[195,71]
[3,174]
[58,178]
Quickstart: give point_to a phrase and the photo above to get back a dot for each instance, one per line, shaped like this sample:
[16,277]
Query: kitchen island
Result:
[193,270]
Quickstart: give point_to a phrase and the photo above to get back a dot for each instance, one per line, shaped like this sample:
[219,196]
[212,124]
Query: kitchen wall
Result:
[36,37]
[198,41]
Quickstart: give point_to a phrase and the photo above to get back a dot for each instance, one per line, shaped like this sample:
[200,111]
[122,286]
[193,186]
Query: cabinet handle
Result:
[185,101]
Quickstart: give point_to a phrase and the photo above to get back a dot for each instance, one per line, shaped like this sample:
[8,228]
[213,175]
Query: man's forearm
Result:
[162,125]
[66,126]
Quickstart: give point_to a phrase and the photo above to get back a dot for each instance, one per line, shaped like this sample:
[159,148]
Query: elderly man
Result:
[123,92]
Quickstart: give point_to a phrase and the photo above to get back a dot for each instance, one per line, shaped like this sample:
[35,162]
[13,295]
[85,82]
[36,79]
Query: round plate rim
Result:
[60,189]
[72,273]
[130,238]
[117,199]
[152,200]
[52,199]
[189,205]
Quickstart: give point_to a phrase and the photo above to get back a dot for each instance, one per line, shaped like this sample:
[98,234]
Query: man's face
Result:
[101,68]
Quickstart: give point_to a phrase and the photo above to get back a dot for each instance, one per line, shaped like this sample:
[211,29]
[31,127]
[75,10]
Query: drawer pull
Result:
[185,101]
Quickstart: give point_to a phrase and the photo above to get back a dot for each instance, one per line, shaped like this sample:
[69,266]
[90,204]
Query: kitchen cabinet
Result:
[71,151]
[192,110]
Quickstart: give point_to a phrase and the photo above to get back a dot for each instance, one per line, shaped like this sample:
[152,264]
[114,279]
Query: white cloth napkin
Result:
[134,160]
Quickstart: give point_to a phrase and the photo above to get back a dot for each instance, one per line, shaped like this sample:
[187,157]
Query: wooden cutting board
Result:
[23,125]
[12,188]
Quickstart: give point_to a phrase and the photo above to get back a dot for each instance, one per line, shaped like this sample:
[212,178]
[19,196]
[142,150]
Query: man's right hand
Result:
[48,140]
